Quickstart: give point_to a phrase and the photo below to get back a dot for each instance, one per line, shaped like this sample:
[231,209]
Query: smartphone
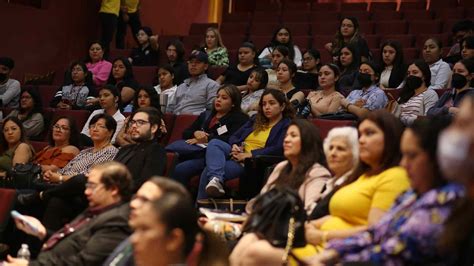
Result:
[22,218]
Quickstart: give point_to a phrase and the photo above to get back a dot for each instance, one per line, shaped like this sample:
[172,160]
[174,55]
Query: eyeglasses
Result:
[95,126]
[60,128]
[92,186]
[138,122]
[307,59]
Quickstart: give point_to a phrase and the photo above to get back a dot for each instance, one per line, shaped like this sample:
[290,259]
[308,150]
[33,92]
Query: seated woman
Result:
[415,97]
[281,37]
[109,99]
[102,127]
[262,135]
[215,49]
[341,148]
[326,100]
[96,64]
[63,143]
[14,148]
[74,96]
[448,104]
[409,233]
[285,73]
[308,77]
[373,186]
[238,74]
[256,85]
[370,97]
[393,63]
[147,53]
[146,97]
[167,86]
[220,123]
[122,78]
[349,62]
[279,53]
[440,70]
[348,33]
[29,112]
[467,45]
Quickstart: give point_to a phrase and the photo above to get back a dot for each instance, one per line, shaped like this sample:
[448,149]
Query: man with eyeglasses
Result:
[91,236]
[197,92]
[150,190]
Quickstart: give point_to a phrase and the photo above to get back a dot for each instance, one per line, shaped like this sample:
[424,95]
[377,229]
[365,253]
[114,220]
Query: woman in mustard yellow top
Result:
[377,181]
[263,134]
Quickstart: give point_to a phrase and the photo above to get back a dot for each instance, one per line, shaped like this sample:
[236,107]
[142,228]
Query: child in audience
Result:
[440,70]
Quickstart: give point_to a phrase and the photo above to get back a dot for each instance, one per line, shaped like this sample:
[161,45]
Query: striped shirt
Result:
[417,106]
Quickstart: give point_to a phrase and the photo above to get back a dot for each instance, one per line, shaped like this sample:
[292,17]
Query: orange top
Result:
[53,156]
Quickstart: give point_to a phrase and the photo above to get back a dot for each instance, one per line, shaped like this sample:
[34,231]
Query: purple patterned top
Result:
[407,234]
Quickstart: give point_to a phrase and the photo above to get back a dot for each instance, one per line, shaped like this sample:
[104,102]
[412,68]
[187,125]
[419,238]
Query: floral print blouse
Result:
[218,57]
[407,234]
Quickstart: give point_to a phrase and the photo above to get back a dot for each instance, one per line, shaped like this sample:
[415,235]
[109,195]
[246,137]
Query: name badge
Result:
[222,130]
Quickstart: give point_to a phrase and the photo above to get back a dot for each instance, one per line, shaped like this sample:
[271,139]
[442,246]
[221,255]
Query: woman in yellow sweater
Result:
[373,186]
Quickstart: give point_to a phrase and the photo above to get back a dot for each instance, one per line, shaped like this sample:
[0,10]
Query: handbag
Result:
[23,175]
[278,216]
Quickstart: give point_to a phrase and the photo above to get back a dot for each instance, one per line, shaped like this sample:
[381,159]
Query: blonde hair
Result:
[218,37]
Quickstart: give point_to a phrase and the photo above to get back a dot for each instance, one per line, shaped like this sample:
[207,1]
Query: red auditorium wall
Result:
[49,38]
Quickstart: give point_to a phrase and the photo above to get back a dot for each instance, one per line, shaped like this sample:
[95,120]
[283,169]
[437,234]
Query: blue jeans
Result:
[184,171]
[218,164]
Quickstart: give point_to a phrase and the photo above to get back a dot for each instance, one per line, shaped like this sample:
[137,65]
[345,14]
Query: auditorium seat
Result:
[213,72]
[181,123]
[320,40]
[38,145]
[411,15]
[295,17]
[324,28]
[234,28]
[391,27]
[303,42]
[47,93]
[263,29]
[392,94]
[265,16]
[232,41]
[171,161]
[325,125]
[410,54]
[382,6]
[324,16]
[298,29]
[260,41]
[367,27]
[296,6]
[372,40]
[424,27]
[404,5]
[115,53]
[440,92]
[451,13]
[200,28]
[360,15]
[168,118]
[383,15]
[191,42]
[354,6]
[7,198]
[234,56]
[324,7]
[443,4]
[145,75]
[242,17]
[406,40]
[421,38]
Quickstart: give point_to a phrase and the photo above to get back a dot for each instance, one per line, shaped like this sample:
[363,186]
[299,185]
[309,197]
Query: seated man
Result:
[9,88]
[197,92]
[89,238]
[149,191]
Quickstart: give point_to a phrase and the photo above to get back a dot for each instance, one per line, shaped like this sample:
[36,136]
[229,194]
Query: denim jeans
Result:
[185,170]
[218,164]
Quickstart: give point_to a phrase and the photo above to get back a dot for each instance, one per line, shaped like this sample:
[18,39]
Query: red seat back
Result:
[145,75]
[325,125]
[7,196]
[171,160]
[182,122]
[80,116]
[47,93]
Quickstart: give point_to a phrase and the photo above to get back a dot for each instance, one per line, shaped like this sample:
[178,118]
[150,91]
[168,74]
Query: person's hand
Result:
[328,46]
[11,261]
[453,110]
[92,101]
[40,229]
[51,176]
[344,102]
[201,136]
[326,257]
[241,156]
[313,235]
[191,141]
[360,103]
[154,38]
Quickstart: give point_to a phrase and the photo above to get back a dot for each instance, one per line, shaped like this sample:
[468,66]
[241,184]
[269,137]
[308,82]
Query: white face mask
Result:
[453,152]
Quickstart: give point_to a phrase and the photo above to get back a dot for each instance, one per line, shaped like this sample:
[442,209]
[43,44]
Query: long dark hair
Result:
[4,144]
[261,121]
[73,131]
[311,153]
[88,58]
[261,75]
[316,55]
[154,97]
[398,61]
[338,42]
[128,71]
[406,93]
[179,49]
[291,47]
[87,74]
[392,130]
[37,103]
[234,95]
[356,59]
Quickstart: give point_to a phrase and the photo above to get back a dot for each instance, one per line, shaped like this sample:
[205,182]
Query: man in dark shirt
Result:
[89,238]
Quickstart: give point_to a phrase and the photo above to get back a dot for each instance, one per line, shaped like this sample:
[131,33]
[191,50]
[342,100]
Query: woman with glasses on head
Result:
[109,98]
[29,112]
[63,143]
[14,147]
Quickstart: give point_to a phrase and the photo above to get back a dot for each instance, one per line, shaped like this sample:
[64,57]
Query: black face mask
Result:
[364,80]
[3,77]
[413,82]
[458,81]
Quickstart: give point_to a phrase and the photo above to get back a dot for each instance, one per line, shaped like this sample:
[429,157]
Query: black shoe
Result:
[29,198]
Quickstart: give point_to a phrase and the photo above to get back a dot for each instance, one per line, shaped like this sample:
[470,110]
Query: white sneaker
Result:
[214,188]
